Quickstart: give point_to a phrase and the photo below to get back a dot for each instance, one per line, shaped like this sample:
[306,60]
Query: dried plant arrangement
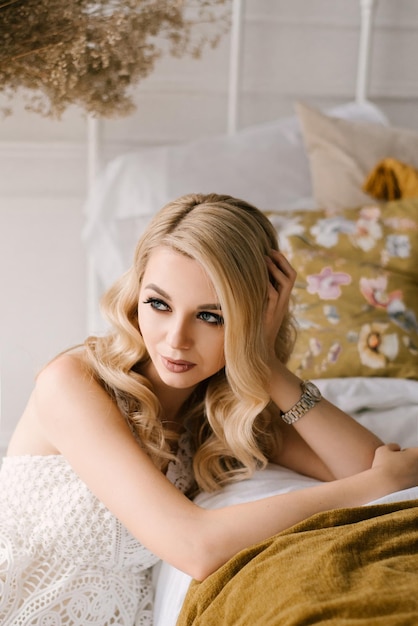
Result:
[93,52]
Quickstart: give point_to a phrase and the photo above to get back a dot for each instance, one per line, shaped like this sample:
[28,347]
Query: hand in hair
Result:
[282,279]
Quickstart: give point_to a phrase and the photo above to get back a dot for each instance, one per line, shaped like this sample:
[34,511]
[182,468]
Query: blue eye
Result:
[157,304]
[211,318]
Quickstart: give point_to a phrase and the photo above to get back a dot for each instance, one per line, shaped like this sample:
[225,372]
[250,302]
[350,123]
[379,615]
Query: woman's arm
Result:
[82,423]
[338,440]
[291,450]
[332,437]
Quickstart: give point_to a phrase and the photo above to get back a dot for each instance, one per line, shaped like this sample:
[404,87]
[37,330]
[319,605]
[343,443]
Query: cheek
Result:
[221,362]
[218,352]
[145,323]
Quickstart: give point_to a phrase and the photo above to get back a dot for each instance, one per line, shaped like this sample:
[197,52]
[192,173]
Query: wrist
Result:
[310,396]
[382,482]
[364,487]
[285,387]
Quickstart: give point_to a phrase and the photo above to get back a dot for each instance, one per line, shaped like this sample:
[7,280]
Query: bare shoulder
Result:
[58,383]
[67,378]
[66,369]
[50,406]
[68,398]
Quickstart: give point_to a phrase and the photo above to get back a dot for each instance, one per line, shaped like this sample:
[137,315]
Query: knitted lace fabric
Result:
[65,560]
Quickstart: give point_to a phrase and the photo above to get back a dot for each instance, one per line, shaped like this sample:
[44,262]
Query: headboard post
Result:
[94,165]
[367,8]
[235,66]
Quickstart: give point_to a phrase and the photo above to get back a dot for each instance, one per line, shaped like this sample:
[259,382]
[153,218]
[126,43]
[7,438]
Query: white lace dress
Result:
[65,560]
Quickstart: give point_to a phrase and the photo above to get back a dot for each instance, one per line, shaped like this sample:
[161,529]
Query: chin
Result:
[179,381]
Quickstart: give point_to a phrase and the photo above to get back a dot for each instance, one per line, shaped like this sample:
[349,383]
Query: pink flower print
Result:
[315,346]
[374,291]
[371,213]
[327,284]
[400,223]
[368,229]
[334,352]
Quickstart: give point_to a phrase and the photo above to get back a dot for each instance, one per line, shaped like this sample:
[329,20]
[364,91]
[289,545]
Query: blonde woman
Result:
[188,390]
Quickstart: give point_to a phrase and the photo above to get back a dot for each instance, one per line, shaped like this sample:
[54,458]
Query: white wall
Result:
[293,49]
[42,263]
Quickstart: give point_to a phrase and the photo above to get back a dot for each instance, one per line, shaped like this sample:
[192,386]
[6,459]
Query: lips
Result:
[177,366]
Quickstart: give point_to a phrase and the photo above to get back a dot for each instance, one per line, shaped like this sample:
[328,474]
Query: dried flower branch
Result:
[92,52]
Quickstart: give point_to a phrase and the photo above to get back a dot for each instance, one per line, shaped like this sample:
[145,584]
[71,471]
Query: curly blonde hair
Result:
[229,416]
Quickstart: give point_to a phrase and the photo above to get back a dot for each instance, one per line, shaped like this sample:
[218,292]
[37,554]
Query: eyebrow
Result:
[202,307]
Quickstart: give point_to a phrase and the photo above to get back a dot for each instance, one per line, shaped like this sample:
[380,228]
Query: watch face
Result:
[312,390]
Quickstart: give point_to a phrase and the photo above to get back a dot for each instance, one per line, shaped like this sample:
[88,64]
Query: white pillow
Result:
[171,584]
[265,164]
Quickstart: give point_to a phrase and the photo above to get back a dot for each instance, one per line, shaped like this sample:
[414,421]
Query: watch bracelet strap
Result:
[302,406]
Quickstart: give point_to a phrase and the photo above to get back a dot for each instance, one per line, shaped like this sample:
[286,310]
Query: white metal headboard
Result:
[95,125]
[363,64]
[365,49]
[367,7]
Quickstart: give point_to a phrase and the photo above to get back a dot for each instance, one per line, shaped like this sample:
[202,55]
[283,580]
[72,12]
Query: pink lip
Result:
[178,366]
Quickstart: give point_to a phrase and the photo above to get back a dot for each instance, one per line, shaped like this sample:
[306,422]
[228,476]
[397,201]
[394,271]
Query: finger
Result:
[279,278]
[394,446]
[280,268]
[281,261]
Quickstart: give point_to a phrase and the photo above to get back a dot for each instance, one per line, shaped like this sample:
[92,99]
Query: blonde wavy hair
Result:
[229,416]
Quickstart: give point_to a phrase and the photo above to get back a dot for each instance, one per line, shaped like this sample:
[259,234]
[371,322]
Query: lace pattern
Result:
[65,560]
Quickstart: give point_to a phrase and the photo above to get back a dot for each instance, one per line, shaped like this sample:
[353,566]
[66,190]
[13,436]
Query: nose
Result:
[179,333]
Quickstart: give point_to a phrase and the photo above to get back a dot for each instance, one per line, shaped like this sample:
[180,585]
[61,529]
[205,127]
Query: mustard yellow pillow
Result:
[356,294]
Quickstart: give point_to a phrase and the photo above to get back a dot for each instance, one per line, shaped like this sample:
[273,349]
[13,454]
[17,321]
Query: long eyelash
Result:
[219,319]
[152,299]
[156,301]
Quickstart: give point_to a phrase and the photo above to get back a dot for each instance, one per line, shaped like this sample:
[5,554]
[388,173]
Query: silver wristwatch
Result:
[310,396]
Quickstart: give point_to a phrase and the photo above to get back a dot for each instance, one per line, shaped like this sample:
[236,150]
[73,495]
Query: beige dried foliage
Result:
[92,53]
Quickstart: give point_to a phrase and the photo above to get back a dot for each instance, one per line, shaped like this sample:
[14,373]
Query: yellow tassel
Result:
[391,179]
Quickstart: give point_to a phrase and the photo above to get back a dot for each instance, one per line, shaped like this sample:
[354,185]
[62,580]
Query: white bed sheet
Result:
[387,406]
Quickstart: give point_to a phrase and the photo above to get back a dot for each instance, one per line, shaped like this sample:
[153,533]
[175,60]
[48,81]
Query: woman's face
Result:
[180,320]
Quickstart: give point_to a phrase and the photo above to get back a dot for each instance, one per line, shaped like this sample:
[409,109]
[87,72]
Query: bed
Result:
[341,186]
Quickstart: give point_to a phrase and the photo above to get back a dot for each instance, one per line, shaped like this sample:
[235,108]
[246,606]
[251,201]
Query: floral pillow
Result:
[356,294]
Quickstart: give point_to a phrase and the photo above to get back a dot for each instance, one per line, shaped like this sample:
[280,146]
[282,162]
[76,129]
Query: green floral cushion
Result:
[356,295]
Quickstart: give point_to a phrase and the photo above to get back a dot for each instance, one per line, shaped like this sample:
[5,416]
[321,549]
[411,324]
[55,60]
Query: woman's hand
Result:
[282,279]
[400,466]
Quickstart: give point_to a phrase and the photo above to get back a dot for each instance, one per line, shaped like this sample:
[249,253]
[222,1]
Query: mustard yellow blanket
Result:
[345,567]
